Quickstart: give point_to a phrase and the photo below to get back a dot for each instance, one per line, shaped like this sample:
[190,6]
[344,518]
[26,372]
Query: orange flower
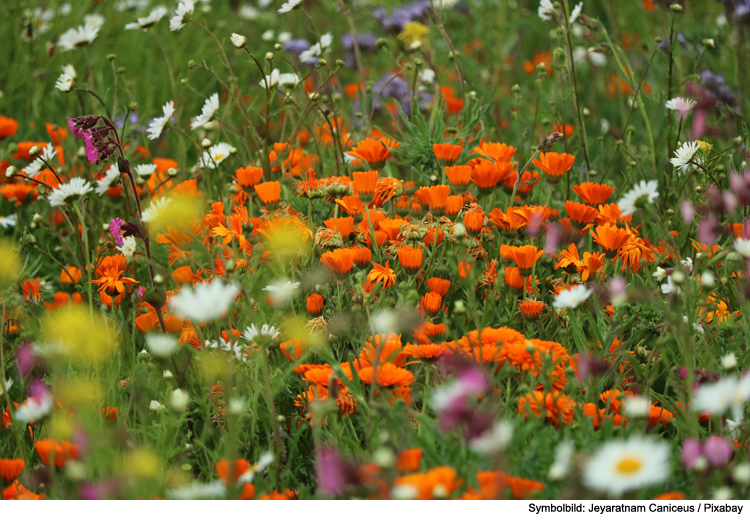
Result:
[553,406]
[351,205]
[110,413]
[459,176]
[70,275]
[525,257]
[499,152]
[439,482]
[581,214]
[445,153]
[8,127]
[453,206]
[382,274]
[61,452]
[388,375]
[435,197]
[410,258]
[364,184]
[431,303]
[532,309]
[374,151]
[17,491]
[554,165]
[610,238]
[493,483]
[486,175]
[362,256]
[593,193]
[670,495]
[464,268]
[31,289]
[314,303]
[474,222]
[248,177]
[111,282]
[658,415]
[297,349]
[239,467]
[268,192]
[345,226]
[517,281]
[10,468]
[409,460]
[438,285]
[339,261]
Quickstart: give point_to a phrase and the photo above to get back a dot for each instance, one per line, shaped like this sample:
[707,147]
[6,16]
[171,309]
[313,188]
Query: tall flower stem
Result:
[574,87]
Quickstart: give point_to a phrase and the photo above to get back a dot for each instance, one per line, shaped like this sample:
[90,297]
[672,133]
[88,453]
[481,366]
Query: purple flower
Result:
[691,452]
[115,228]
[334,473]
[91,153]
[74,129]
[718,451]
[25,358]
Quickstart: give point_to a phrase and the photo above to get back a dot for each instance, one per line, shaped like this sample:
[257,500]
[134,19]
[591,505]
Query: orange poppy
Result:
[554,165]
[581,214]
[409,460]
[445,153]
[525,257]
[431,303]
[374,151]
[474,222]
[364,184]
[60,452]
[268,192]
[499,152]
[8,127]
[314,303]
[10,468]
[345,226]
[610,238]
[239,467]
[438,285]
[339,261]
[248,177]
[593,193]
[486,175]
[439,482]
[460,177]
[532,309]
[435,197]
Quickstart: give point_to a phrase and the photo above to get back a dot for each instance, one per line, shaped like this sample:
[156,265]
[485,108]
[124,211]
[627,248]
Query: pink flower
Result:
[91,153]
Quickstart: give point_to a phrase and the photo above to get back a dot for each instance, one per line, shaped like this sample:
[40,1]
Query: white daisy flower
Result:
[643,193]
[216,154]
[247,12]
[156,127]
[155,208]
[67,192]
[317,49]
[111,177]
[94,20]
[547,11]
[573,297]
[128,247]
[495,439]
[267,35]
[288,6]
[145,170]
[205,302]
[67,79]
[210,106]
[48,154]
[252,333]
[199,490]
[722,396]
[622,465]
[149,20]
[636,406]
[563,456]
[684,154]
[681,105]
[34,409]
[283,37]
[124,5]
[77,38]
[8,221]
[281,292]
[576,12]
[742,246]
[238,40]
[271,81]
[184,9]
[161,345]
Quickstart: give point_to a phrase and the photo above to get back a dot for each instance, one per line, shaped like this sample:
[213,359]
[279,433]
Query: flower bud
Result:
[239,41]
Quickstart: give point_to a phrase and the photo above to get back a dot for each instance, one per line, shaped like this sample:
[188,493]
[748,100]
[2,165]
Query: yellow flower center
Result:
[628,465]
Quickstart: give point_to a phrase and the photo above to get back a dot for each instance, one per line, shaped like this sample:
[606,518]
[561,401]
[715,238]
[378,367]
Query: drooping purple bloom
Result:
[74,129]
[91,153]
[115,228]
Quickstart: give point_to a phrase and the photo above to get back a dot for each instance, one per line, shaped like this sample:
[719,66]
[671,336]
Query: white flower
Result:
[239,41]
[205,302]
[546,11]
[150,20]
[725,394]
[281,292]
[155,208]
[659,274]
[681,105]
[573,297]
[77,38]
[561,466]
[636,407]
[252,333]
[729,361]
[215,155]
[283,37]
[644,192]
[247,12]
[576,11]
[622,465]
[8,221]
[111,177]
[128,247]
[5,385]
[145,170]
[179,400]
[161,345]
[199,490]
[34,409]
[155,406]
[156,127]
[684,154]
[288,6]
[94,20]
[742,246]
[267,35]
[383,322]
[210,106]
[75,188]
[48,154]
[317,49]
[708,280]
[67,79]
[669,286]
[184,10]
[495,439]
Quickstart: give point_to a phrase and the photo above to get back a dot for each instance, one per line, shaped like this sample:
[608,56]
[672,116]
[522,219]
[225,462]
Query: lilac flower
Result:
[25,358]
[115,227]
[334,473]
[718,451]
[691,453]
[91,152]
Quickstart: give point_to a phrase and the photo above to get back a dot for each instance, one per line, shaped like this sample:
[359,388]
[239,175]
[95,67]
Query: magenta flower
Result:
[115,228]
[718,451]
[91,153]
[74,129]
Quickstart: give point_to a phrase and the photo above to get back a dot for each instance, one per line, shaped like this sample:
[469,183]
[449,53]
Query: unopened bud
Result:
[206,143]
[35,151]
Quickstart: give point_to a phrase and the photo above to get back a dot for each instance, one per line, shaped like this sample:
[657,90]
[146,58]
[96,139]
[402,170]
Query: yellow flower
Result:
[414,32]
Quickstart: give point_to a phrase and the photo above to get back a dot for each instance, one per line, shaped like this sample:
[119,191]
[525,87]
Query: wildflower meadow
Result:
[356,249]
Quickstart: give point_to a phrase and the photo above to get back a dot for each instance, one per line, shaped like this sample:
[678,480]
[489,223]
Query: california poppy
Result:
[554,165]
